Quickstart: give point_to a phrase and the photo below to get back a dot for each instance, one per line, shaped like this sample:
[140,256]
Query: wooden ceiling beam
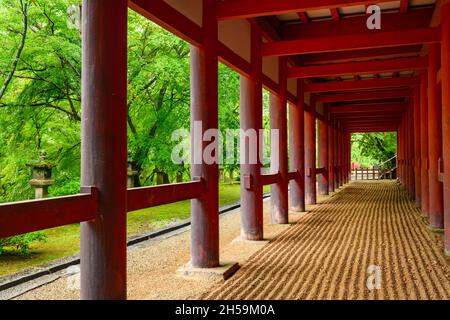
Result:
[391,21]
[366,67]
[362,108]
[352,42]
[241,9]
[362,84]
[370,95]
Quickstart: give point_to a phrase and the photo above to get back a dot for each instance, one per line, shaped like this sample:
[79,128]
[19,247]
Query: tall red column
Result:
[400,152]
[424,143]
[417,150]
[336,156]
[407,152]
[436,209]
[310,155]
[104,148]
[204,113]
[411,154]
[297,150]
[347,156]
[445,80]
[330,154]
[323,154]
[279,155]
[251,124]
[341,156]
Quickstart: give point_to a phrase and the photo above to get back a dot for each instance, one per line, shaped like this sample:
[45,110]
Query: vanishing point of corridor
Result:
[332,251]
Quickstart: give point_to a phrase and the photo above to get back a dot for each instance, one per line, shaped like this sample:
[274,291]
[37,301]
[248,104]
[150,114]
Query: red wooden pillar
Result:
[336,155]
[330,154]
[297,150]
[251,124]
[424,143]
[403,144]
[445,80]
[347,156]
[204,113]
[344,156]
[434,138]
[310,155]
[323,154]
[400,153]
[407,152]
[411,154]
[278,154]
[417,151]
[104,148]
[341,152]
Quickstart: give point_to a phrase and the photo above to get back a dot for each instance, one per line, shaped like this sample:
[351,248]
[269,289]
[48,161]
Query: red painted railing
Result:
[33,215]
[146,197]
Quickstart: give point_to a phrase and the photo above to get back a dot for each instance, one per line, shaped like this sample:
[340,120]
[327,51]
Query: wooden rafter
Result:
[356,96]
[362,84]
[303,17]
[240,9]
[376,66]
[335,14]
[352,42]
[404,5]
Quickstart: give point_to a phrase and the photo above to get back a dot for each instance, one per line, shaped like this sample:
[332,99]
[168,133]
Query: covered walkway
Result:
[326,254]
[326,67]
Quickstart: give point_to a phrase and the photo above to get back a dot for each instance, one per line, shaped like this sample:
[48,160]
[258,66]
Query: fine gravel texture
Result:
[369,235]
[152,265]
[324,254]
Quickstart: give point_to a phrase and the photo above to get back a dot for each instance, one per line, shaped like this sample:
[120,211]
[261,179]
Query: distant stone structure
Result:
[41,176]
[132,172]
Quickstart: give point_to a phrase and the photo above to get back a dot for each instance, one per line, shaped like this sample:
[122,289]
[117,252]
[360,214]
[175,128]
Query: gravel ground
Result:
[324,254]
[368,234]
[152,265]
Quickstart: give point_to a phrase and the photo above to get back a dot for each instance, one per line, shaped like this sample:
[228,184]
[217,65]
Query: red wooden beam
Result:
[321,171]
[369,115]
[371,95]
[233,60]
[368,108]
[391,21]
[404,5]
[361,55]
[352,42]
[355,122]
[335,14]
[33,215]
[240,9]
[303,17]
[361,85]
[169,18]
[271,178]
[146,197]
[369,130]
[292,175]
[366,67]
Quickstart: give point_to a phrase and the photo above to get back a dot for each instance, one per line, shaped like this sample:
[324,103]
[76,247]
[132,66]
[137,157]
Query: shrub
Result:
[22,242]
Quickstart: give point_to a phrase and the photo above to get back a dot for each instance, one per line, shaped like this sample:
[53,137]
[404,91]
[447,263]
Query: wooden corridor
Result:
[328,75]
[325,255]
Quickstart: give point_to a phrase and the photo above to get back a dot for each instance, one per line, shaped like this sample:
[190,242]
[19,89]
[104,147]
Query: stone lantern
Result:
[132,172]
[41,176]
